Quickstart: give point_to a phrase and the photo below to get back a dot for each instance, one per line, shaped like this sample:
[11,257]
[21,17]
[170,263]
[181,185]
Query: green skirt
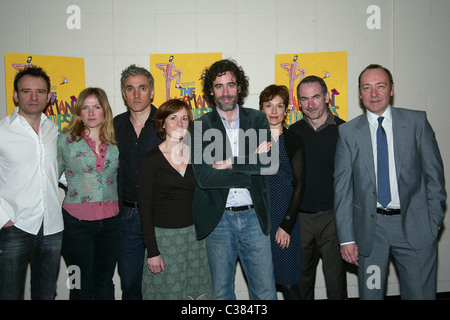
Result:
[186,275]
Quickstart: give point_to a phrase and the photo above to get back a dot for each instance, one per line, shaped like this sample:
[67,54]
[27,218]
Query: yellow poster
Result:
[290,69]
[178,76]
[66,80]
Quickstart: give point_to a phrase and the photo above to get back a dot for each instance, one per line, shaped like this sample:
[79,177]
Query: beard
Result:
[226,106]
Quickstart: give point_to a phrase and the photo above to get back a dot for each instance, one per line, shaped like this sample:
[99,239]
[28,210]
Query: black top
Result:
[132,149]
[295,150]
[165,197]
[320,147]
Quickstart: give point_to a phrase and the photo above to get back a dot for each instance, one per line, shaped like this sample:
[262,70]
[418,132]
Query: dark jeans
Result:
[17,248]
[132,254]
[92,246]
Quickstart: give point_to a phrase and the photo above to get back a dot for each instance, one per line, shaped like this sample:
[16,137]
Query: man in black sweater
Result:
[136,136]
[319,130]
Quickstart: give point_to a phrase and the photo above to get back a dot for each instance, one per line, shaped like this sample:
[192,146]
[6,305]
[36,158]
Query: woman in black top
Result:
[286,192]
[177,266]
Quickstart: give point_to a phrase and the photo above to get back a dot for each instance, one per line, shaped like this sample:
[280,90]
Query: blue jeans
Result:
[132,254]
[239,235]
[17,247]
[93,246]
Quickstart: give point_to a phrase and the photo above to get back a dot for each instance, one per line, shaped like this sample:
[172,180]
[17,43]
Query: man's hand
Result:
[8,224]
[349,253]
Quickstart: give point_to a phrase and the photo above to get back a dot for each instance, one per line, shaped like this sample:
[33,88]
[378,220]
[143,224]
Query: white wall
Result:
[413,43]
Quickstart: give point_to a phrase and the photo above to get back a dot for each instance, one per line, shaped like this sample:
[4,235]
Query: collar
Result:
[234,124]
[373,118]
[16,116]
[90,142]
[330,120]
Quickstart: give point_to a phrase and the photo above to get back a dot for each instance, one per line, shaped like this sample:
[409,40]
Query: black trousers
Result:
[319,241]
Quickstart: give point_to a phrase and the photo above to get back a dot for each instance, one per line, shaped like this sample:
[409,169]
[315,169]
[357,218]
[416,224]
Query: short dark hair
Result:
[376,66]
[272,91]
[313,79]
[165,110]
[33,71]
[219,68]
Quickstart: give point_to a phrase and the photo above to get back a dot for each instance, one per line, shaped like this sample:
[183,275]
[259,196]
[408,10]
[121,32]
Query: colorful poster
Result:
[66,78]
[179,76]
[290,69]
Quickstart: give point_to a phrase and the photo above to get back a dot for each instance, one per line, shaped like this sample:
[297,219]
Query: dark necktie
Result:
[384,189]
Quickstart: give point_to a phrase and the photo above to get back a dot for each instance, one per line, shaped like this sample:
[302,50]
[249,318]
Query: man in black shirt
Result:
[318,128]
[137,136]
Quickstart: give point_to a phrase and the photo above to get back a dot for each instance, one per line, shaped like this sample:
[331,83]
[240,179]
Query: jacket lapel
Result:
[364,142]
[216,123]
[400,132]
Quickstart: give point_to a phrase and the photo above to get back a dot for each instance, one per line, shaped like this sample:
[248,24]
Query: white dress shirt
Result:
[387,125]
[29,194]
[236,196]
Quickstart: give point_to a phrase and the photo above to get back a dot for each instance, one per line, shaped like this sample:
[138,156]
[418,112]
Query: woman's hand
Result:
[155,264]
[222,165]
[282,238]
[264,147]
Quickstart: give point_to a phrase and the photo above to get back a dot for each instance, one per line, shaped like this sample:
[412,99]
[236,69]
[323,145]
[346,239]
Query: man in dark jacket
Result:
[136,135]
[231,202]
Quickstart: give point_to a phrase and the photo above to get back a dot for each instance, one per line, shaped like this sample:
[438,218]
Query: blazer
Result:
[420,177]
[210,143]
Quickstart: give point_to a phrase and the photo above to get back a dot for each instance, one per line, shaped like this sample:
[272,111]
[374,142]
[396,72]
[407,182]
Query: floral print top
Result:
[91,177]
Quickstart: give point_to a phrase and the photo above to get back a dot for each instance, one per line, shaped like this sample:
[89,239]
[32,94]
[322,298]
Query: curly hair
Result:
[219,68]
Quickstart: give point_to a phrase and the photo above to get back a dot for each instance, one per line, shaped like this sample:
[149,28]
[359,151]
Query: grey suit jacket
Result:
[419,173]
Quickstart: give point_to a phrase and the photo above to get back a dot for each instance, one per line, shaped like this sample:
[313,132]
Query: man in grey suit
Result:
[399,214]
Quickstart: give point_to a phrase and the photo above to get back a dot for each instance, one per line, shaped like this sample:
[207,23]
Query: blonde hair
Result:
[76,127]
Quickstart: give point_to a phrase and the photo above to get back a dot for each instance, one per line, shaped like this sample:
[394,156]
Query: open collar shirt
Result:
[29,194]
[237,196]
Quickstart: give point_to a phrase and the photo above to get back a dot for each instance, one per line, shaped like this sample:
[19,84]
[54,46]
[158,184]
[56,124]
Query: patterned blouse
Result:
[91,178]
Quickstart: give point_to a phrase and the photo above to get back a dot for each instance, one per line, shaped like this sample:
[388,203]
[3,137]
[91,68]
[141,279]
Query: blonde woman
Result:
[89,157]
